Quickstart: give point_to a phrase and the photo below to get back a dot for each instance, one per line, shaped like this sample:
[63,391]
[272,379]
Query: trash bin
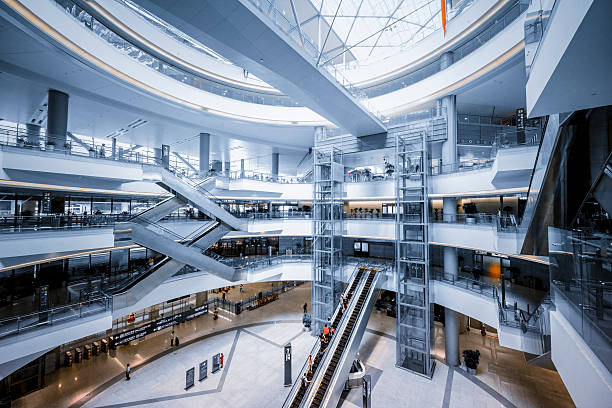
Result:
[78,355]
[95,348]
[68,359]
[87,352]
[104,346]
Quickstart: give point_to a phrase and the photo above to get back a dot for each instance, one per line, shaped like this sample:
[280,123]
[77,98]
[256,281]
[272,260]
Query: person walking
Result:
[127,372]
[221,360]
[305,307]
[172,338]
[176,341]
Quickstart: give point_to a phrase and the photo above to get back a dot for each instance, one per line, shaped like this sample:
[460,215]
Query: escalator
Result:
[533,229]
[145,230]
[191,192]
[187,251]
[335,366]
[296,396]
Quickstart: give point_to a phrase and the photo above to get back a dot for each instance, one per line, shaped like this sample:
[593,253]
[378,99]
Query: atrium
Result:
[305,203]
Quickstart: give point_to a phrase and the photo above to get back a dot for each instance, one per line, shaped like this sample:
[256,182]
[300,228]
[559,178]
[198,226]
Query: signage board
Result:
[157,325]
[43,303]
[189,378]
[203,370]
[520,126]
[287,358]
[216,363]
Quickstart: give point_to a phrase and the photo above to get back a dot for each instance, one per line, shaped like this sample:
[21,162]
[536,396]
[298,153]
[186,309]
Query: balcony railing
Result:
[268,177]
[506,223]
[459,52]
[39,223]
[458,167]
[582,286]
[56,315]
[152,62]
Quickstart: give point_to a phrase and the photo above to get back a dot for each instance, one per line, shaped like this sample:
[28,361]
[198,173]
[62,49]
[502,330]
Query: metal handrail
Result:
[53,315]
[297,384]
[168,67]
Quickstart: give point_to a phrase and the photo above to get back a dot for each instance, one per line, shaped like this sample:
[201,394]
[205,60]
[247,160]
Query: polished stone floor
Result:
[252,377]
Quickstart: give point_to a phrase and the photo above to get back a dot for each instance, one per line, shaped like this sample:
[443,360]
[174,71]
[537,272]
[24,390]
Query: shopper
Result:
[305,381]
[172,338]
[310,364]
[127,372]
[215,313]
[305,307]
[176,341]
[221,360]
[325,330]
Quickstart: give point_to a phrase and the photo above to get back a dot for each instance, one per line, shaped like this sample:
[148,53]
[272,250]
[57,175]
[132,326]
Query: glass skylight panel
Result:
[375,29]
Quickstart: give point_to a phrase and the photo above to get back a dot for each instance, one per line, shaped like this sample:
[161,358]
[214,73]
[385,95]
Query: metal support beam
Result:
[181,158]
[297,21]
[79,141]
[328,32]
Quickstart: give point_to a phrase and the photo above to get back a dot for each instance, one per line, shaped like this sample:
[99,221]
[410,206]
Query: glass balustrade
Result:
[174,72]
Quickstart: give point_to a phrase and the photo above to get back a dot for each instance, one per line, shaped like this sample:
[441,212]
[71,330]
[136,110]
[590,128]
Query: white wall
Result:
[56,163]
[586,378]
[478,236]
[464,301]
[35,243]
[382,229]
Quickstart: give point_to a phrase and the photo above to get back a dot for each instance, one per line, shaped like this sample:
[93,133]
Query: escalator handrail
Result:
[133,218]
[297,384]
[360,317]
[325,360]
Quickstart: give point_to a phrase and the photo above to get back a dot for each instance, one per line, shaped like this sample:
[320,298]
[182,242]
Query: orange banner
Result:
[443,2]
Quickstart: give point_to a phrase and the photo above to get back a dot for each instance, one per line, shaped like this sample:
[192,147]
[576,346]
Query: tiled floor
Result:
[252,376]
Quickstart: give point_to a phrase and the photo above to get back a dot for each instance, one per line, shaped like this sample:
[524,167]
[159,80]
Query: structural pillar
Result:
[451,335]
[201,298]
[114,148]
[204,152]
[449,104]
[57,117]
[275,165]
[449,209]
[157,155]
[451,268]
[241,168]
[33,134]
[226,168]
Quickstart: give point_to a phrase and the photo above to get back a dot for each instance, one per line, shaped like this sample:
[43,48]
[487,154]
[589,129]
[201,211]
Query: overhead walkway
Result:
[256,36]
[334,364]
